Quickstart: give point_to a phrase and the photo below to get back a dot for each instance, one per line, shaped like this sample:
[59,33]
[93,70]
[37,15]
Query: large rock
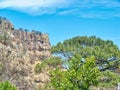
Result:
[19,52]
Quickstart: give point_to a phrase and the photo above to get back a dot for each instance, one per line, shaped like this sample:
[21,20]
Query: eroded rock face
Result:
[33,42]
[30,41]
[19,52]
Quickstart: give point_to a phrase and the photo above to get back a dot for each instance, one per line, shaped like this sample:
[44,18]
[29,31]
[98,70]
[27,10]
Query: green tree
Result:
[80,75]
[104,51]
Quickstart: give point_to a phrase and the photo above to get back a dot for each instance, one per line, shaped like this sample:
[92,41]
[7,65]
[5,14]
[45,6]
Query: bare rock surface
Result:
[20,50]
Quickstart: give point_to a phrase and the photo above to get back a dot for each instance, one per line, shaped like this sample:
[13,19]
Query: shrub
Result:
[2,37]
[1,65]
[38,68]
[7,86]
[48,63]
[0,20]
[53,62]
[109,79]
[80,75]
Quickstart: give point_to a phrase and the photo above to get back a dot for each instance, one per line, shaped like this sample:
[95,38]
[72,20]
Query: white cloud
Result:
[64,12]
[34,6]
[94,9]
[86,8]
[31,3]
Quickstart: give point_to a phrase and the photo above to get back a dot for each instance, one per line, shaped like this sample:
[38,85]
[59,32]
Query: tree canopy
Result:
[106,53]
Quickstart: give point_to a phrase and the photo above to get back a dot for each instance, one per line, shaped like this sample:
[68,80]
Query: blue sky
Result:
[64,19]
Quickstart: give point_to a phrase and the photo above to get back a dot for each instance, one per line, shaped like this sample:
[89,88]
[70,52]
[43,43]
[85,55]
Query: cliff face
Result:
[31,41]
[20,51]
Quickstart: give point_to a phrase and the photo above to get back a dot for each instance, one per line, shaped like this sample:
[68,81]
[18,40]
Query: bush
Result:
[53,62]
[48,63]
[38,68]
[7,86]
[80,75]
[1,65]
[109,79]
[2,37]
[0,20]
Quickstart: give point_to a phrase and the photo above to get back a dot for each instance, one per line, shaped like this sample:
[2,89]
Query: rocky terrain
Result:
[20,51]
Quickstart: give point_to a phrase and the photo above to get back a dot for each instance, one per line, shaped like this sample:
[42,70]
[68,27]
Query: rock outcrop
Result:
[20,50]
[33,41]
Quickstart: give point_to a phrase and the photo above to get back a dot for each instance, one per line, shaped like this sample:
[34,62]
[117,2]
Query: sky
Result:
[64,19]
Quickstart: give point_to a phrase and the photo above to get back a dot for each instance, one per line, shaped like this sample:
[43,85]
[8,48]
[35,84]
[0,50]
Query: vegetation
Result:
[38,68]
[50,63]
[79,76]
[7,86]
[0,20]
[106,58]
[1,65]
[106,53]
[109,79]
[2,37]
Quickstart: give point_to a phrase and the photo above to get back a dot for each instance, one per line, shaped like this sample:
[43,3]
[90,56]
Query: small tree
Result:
[80,75]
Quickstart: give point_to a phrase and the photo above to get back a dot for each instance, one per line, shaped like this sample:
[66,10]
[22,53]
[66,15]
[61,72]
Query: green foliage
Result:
[109,79]
[1,65]
[80,42]
[7,86]
[79,76]
[38,68]
[2,37]
[49,63]
[102,50]
[53,62]
[0,20]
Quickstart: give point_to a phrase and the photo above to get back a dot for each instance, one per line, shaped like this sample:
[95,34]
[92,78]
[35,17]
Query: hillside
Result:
[20,51]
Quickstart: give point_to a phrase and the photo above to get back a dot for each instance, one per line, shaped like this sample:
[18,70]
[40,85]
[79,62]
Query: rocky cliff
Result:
[20,51]
[33,41]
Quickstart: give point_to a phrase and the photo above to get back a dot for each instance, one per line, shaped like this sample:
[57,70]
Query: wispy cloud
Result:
[33,3]
[86,8]
[94,9]
[35,6]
